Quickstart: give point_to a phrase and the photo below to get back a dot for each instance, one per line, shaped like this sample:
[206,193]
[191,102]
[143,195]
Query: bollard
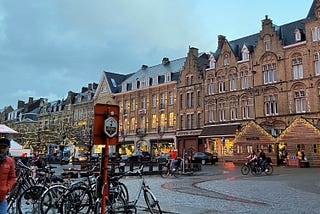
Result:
[131,166]
[150,167]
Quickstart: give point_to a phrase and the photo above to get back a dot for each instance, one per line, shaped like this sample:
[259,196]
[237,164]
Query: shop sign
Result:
[110,127]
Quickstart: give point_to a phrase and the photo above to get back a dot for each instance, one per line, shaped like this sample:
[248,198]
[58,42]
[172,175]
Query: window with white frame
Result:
[168,77]
[226,60]
[244,79]
[271,105]
[211,113]
[126,107]
[245,53]
[190,121]
[268,45]
[211,86]
[171,119]
[162,100]
[190,99]
[297,68]
[212,61]
[154,100]
[269,73]
[233,109]
[315,31]
[133,104]
[154,121]
[171,98]
[143,102]
[233,82]
[300,101]
[316,64]
[142,121]
[222,111]
[297,35]
[143,82]
[245,108]
[133,123]
[222,84]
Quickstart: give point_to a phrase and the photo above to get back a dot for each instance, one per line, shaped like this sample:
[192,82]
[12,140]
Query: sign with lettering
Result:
[106,125]
[110,127]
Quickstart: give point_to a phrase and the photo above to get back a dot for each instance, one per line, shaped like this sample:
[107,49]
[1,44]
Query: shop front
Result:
[126,148]
[219,139]
[161,146]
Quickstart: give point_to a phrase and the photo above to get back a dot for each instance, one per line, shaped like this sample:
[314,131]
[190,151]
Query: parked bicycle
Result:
[115,201]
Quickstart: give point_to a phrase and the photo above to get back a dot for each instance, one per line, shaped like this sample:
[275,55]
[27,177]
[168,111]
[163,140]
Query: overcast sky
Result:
[50,47]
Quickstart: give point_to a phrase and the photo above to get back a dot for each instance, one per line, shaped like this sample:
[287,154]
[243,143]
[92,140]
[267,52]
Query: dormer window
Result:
[297,35]
[245,53]
[212,61]
[168,77]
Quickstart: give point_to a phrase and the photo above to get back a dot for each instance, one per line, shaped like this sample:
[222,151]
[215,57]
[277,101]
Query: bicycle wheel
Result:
[165,171]
[269,169]
[256,170]
[77,200]
[245,169]
[113,205]
[29,200]
[177,173]
[51,199]
[151,201]
[124,191]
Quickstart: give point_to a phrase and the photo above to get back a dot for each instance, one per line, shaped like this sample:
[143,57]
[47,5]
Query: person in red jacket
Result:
[7,175]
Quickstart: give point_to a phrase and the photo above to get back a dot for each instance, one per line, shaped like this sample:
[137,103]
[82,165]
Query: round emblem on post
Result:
[110,127]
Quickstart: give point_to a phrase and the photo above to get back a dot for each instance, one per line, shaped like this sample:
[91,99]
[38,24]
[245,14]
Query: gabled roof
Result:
[285,32]
[160,69]
[253,131]
[114,80]
[312,12]
[300,125]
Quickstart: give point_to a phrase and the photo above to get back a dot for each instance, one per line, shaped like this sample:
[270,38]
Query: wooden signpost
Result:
[105,132]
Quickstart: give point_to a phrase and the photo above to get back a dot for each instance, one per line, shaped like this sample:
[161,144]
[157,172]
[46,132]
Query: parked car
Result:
[95,157]
[114,156]
[82,157]
[162,158]
[140,156]
[204,158]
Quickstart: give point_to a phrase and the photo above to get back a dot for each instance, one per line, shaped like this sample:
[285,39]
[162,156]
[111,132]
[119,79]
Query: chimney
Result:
[90,86]
[84,89]
[221,40]
[165,61]
[194,51]
[144,67]
[30,100]
[20,104]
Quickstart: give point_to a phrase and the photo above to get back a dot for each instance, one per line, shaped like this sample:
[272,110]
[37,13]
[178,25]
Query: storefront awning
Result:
[223,130]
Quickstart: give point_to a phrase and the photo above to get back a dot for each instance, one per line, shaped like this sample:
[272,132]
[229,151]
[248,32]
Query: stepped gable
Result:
[300,131]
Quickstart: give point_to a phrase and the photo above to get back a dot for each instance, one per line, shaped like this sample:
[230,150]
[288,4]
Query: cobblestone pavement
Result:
[222,189]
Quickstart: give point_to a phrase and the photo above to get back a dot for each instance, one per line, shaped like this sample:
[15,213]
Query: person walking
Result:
[8,174]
